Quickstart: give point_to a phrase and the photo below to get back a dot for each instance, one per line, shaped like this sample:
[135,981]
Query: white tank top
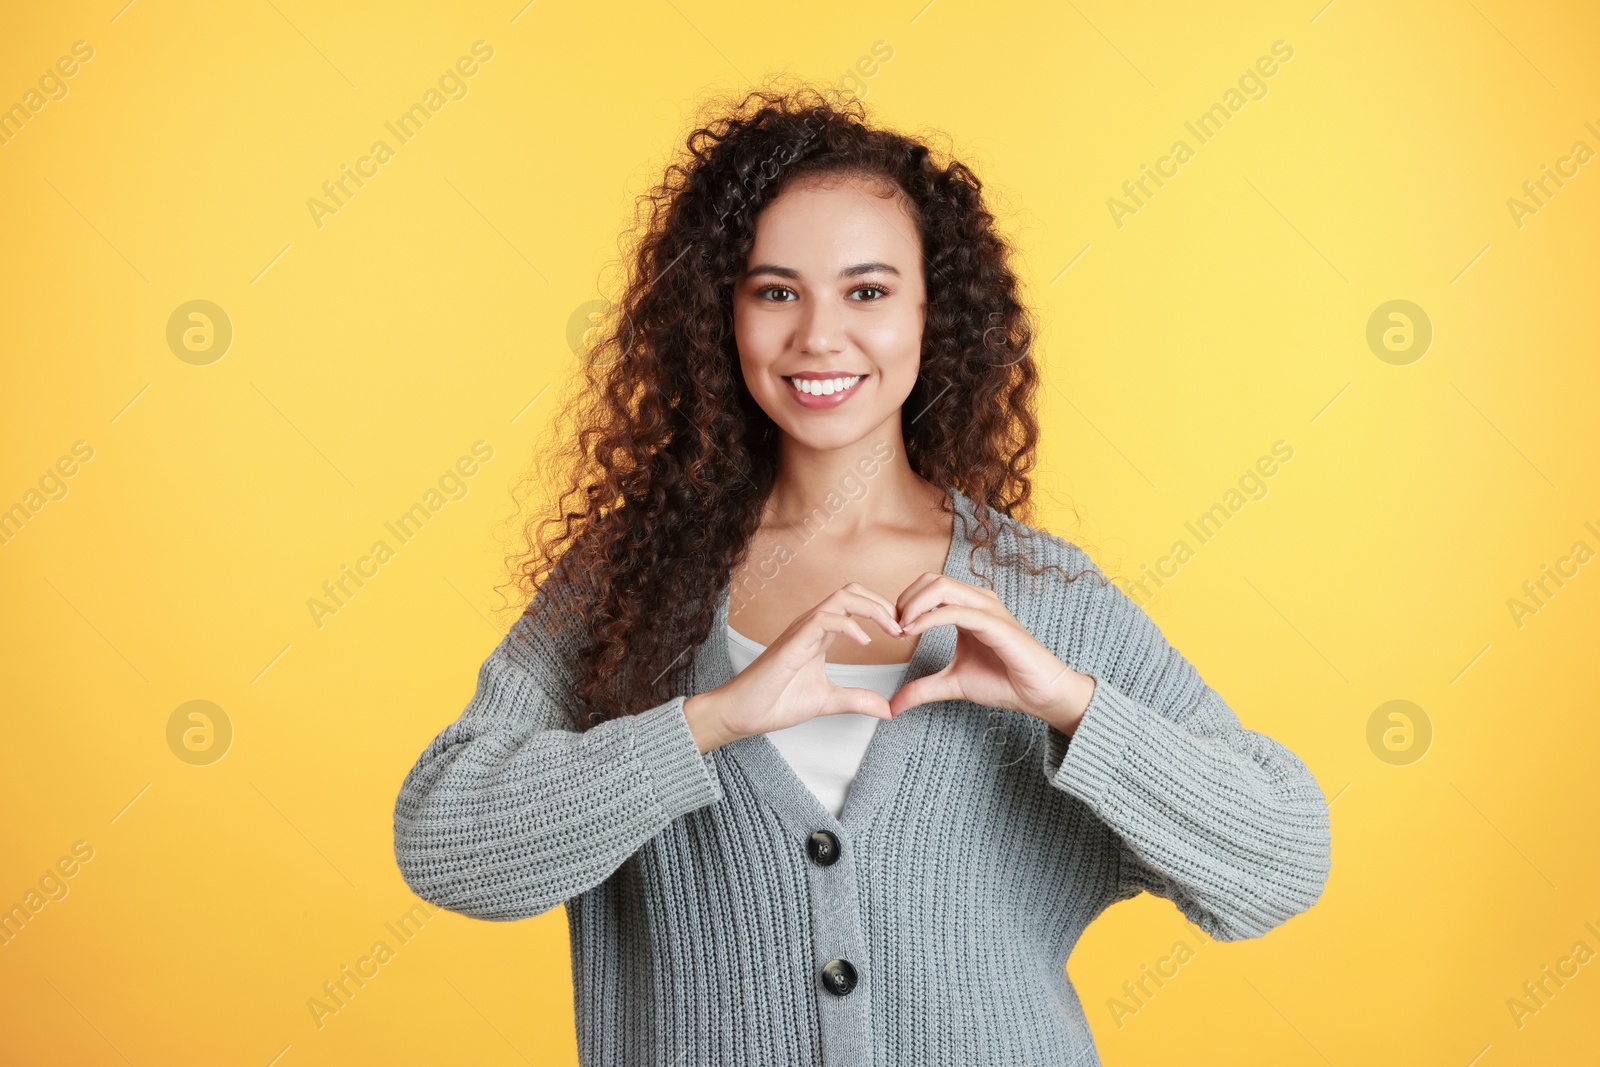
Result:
[826,751]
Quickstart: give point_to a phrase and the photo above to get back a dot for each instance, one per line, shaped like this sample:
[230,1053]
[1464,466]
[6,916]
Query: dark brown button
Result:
[839,977]
[823,848]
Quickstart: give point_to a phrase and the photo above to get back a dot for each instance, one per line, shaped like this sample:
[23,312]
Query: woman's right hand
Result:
[786,684]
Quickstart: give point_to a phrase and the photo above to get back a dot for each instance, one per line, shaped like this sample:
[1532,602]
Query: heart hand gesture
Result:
[997,662]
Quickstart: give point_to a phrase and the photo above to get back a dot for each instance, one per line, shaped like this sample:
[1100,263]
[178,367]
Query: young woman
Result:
[829,754]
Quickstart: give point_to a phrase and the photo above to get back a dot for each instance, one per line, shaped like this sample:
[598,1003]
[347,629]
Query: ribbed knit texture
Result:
[976,845]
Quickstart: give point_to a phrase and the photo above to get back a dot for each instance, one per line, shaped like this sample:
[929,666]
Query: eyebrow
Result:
[848,272]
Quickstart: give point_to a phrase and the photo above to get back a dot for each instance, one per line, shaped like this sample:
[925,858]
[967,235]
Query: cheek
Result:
[897,350]
[757,353]
[758,339]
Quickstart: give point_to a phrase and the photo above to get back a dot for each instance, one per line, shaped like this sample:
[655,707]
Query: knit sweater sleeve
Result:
[509,811]
[1225,822]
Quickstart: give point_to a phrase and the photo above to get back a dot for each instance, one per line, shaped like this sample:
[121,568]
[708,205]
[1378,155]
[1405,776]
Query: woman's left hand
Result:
[997,663]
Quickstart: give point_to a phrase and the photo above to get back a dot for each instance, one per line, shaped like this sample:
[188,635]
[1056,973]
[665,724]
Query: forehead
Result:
[823,222]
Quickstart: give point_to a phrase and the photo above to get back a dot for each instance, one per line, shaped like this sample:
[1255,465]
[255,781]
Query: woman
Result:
[813,418]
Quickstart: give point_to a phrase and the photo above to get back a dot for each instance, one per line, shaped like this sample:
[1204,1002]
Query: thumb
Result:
[861,701]
[939,686]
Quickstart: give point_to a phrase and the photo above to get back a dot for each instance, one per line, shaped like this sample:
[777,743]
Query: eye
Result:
[761,293]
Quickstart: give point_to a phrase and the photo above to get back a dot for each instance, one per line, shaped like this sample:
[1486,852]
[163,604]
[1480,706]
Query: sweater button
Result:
[839,977]
[823,848]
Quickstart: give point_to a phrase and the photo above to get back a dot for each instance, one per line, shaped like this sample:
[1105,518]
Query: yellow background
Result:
[369,354]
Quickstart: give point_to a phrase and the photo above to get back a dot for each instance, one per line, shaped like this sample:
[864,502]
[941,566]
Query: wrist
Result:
[703,712]
[1076,692]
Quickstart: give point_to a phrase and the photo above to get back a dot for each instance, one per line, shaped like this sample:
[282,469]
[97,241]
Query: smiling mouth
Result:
[824,387]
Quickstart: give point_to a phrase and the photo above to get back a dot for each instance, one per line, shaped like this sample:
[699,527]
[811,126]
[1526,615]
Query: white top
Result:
[826,751]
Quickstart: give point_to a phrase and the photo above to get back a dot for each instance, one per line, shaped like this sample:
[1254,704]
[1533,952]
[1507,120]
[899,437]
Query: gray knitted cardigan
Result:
[720,915]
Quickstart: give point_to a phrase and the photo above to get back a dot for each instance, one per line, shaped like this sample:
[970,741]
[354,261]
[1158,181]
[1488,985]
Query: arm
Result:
[509,811]
[1225,822]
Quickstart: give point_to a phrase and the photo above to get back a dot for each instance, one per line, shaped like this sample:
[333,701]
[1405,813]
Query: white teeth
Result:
[823,386]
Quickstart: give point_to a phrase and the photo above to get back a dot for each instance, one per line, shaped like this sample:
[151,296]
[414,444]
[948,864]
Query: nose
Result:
[821,328]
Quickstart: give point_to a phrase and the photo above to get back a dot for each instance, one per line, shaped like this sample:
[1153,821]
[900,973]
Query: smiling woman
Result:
[775,846]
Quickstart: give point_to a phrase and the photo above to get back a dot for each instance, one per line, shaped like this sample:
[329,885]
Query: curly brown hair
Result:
[672,460]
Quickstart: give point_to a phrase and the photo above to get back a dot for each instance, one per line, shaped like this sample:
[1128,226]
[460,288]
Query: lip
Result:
[833,400]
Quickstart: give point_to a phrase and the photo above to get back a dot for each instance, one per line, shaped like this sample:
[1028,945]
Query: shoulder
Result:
[1057,591]
[549,633]
[1036,563]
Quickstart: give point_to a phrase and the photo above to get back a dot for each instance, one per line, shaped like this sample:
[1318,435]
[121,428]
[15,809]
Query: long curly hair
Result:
[669,457]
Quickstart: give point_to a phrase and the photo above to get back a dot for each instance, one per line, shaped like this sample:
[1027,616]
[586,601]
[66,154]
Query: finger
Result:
[969,617]
[946,592]
[860,701]
[871,594]
[882,611]
[939,686]
[833,622]
[931,589]
[910,592]
[873,607]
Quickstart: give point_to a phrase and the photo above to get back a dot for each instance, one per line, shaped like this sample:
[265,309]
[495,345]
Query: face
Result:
[833,298]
